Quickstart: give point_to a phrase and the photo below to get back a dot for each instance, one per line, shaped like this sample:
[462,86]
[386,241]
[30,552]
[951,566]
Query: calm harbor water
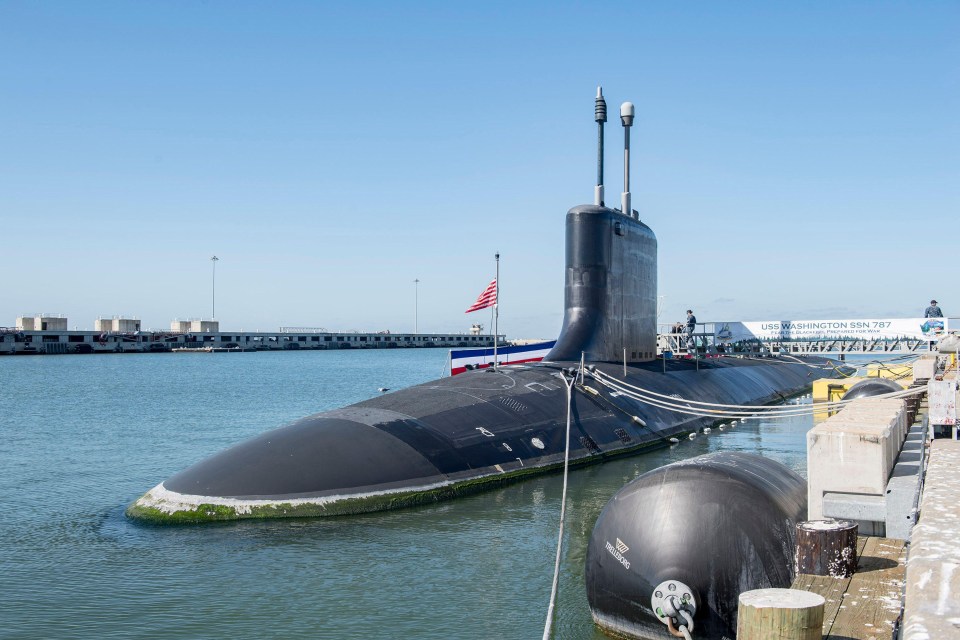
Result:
[83,436]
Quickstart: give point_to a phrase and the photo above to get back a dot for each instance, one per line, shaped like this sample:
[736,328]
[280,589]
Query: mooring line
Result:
[548,627]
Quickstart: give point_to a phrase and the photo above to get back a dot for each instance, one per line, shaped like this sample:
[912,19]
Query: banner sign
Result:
[466,359]
[863,329]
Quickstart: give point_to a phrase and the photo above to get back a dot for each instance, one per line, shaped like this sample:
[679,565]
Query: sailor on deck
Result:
[691,325]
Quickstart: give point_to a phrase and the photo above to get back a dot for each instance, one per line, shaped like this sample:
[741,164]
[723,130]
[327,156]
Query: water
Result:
[83,436]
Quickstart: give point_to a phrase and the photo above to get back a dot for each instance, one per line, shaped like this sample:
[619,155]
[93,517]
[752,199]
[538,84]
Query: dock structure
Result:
[932,603]
[47,333]
[15,341]
[902,485]
[865,464]
[866,605]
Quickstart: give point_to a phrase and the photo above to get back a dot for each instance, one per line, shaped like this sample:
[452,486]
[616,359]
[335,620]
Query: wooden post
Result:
[784,614]
[826,548]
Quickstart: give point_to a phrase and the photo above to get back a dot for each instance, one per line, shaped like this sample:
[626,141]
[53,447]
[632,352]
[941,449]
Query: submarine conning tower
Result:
[610,291]
[610,294]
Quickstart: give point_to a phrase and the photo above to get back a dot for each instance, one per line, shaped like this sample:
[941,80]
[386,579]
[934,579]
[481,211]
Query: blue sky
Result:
[796,160]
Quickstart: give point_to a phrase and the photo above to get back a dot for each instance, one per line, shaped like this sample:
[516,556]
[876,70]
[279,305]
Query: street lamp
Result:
[214,260]
[416,305]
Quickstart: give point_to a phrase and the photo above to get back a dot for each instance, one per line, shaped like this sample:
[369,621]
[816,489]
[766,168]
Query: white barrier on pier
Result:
[850,457]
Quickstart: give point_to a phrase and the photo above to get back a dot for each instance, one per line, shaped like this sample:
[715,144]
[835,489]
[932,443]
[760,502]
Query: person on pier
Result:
[933,311]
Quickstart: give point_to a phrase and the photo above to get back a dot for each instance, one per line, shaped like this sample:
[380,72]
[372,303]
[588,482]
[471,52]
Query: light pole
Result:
[416,305]
[213,294]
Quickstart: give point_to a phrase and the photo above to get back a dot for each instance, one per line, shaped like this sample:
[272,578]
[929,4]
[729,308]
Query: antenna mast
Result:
[626,117]
[600,115]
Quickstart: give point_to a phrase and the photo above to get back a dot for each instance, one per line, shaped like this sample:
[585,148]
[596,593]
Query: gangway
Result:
[891,336]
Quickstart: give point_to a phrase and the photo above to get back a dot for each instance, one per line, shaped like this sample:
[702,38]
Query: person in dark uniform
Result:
[933,311]
[691,325]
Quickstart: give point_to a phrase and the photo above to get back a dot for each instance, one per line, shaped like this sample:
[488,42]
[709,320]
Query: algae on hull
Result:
[161,506]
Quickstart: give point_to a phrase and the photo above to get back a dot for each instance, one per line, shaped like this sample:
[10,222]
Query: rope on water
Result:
[568,383]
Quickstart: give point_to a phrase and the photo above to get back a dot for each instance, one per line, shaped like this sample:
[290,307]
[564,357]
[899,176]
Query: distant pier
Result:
[48,334]
[15,341]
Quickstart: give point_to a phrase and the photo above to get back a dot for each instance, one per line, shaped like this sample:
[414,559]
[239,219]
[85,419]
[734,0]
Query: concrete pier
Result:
[859,468]
[932,603]
[15,341]
[907,584]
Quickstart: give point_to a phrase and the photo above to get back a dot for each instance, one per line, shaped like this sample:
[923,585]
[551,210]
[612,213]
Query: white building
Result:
[195,325]
[117,324]
[42,322]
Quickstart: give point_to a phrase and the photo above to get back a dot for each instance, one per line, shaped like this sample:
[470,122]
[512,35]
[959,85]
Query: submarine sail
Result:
[483,428]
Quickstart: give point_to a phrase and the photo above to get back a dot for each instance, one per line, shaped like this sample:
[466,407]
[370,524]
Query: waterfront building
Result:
[116,323]
[46,334]
[42,322]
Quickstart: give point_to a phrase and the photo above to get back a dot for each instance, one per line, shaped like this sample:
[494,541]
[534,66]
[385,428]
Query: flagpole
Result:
[496,312]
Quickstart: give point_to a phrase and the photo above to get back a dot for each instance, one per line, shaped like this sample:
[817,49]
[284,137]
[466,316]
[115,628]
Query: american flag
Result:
[487,299]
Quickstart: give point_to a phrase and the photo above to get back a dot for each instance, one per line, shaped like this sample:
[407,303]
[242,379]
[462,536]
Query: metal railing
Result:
[706,341]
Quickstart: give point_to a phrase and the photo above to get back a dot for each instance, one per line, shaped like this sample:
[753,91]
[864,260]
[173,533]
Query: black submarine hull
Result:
[482,428]
[458,435]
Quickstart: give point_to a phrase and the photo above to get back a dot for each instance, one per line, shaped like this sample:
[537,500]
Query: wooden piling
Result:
[826,548]
[785,614]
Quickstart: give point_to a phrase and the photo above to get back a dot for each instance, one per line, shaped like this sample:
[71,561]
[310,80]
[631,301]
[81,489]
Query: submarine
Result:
[487,427]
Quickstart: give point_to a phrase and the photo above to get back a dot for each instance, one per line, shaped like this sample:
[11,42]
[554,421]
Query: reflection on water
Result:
[82,436]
